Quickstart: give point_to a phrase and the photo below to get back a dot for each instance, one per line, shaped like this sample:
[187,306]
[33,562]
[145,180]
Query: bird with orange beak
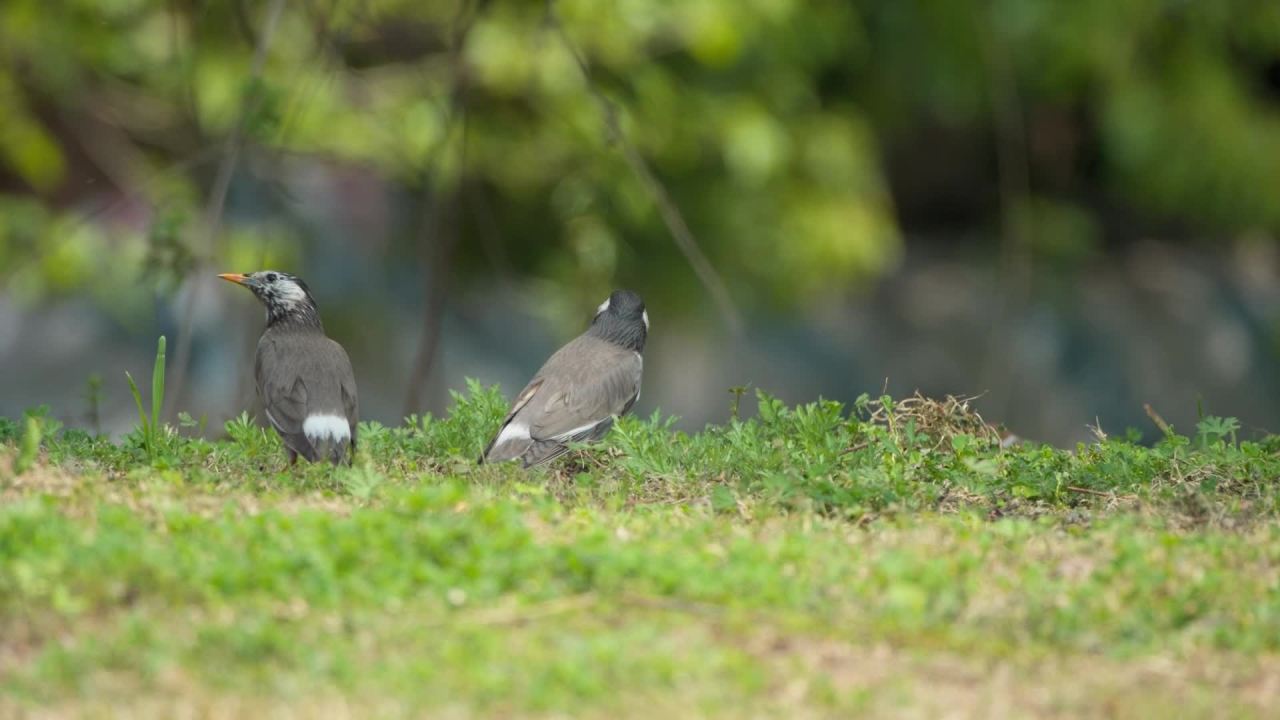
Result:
[304,378]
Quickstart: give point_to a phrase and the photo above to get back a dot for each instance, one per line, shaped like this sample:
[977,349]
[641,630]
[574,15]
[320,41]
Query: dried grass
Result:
[940,420]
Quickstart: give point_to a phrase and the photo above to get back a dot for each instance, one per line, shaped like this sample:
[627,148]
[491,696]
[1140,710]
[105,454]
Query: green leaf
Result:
[30,448]
[157,386]
[137,400]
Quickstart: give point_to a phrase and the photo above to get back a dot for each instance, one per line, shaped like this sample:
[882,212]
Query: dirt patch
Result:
[884,681]
[80,495]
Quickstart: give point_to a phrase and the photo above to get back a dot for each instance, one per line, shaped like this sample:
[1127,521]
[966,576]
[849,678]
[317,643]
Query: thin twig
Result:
[1014,187]
[490,235]
[1090,491]
[856,447]
[444,220]
[440,266]
[212,220]
[1155,418]
[671,215]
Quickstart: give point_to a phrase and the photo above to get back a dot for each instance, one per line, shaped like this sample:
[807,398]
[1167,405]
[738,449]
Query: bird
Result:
[580,390]
[304,378]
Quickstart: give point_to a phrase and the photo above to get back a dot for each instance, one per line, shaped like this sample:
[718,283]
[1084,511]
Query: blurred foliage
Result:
[802,140]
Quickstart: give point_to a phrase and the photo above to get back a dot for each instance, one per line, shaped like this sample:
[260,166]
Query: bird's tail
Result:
[331,436]
[336,451]
[543,451]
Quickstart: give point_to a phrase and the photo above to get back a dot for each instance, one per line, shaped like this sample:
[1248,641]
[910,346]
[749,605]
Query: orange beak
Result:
[234,277]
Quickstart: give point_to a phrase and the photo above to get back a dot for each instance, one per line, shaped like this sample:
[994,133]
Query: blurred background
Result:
[1070,209]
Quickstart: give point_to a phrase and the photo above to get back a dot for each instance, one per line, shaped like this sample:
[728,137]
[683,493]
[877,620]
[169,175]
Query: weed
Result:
[93,399]
[29,446]
[151,427]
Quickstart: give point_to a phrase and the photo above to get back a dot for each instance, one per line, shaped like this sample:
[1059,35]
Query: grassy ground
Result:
[889,559]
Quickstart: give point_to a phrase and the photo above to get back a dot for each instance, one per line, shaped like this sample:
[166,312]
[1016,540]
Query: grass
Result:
[150,425]
[886,559]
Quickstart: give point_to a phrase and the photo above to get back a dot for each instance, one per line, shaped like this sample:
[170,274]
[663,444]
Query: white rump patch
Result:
[513,431]
[326,427]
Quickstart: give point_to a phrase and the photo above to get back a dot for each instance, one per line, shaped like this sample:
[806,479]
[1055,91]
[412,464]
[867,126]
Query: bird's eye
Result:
[271,277]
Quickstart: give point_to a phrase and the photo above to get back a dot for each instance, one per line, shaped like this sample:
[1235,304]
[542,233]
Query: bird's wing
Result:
[511,442]
[584,389]
[523,399]
[347,388]
[574,397]
[309,392]
[284,397]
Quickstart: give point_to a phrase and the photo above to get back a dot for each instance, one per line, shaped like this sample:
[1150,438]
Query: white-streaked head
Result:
[281,288]
[285,296]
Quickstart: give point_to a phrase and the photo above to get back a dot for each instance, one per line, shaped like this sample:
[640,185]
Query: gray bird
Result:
[304,379]
[581,389]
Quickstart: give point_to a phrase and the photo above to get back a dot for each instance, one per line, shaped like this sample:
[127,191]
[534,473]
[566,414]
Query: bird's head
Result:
[622,319]
[286,297]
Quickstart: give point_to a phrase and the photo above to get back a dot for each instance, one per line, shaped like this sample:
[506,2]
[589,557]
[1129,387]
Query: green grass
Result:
[885,559]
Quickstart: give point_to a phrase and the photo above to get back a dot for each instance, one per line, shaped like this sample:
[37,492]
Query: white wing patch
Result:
[513,431]
[640,359]
[645,316]
[566,436]
[322,426]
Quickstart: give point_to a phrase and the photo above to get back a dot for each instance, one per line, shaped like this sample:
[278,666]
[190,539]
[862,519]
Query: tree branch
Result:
[212,219]
[1014,185]
[443,219]
[671,215]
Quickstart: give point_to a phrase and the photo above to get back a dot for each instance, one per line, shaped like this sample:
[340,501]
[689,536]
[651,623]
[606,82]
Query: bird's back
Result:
[308,388]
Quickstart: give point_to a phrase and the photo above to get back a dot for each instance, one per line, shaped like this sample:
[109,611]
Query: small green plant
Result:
[186,422]
[737,392]
[360,481]
[30,446]
[473,418]
[151,428]
[243,431]
[93,398]
[9,430]
[1214,430]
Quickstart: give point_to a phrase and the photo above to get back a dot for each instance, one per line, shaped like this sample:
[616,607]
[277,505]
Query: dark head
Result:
[622,320]
[287,298]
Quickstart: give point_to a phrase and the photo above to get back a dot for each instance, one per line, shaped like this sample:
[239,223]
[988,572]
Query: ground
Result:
[891,559]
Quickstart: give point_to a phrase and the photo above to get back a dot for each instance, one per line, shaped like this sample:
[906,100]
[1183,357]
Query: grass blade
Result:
[157,387]
[137,399]
[29,450]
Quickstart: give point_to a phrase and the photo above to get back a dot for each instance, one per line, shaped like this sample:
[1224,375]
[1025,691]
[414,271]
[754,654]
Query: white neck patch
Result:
[289,291]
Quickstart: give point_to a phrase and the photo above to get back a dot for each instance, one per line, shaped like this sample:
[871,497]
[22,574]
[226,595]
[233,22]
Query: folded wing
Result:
[309,395]
[575,397]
